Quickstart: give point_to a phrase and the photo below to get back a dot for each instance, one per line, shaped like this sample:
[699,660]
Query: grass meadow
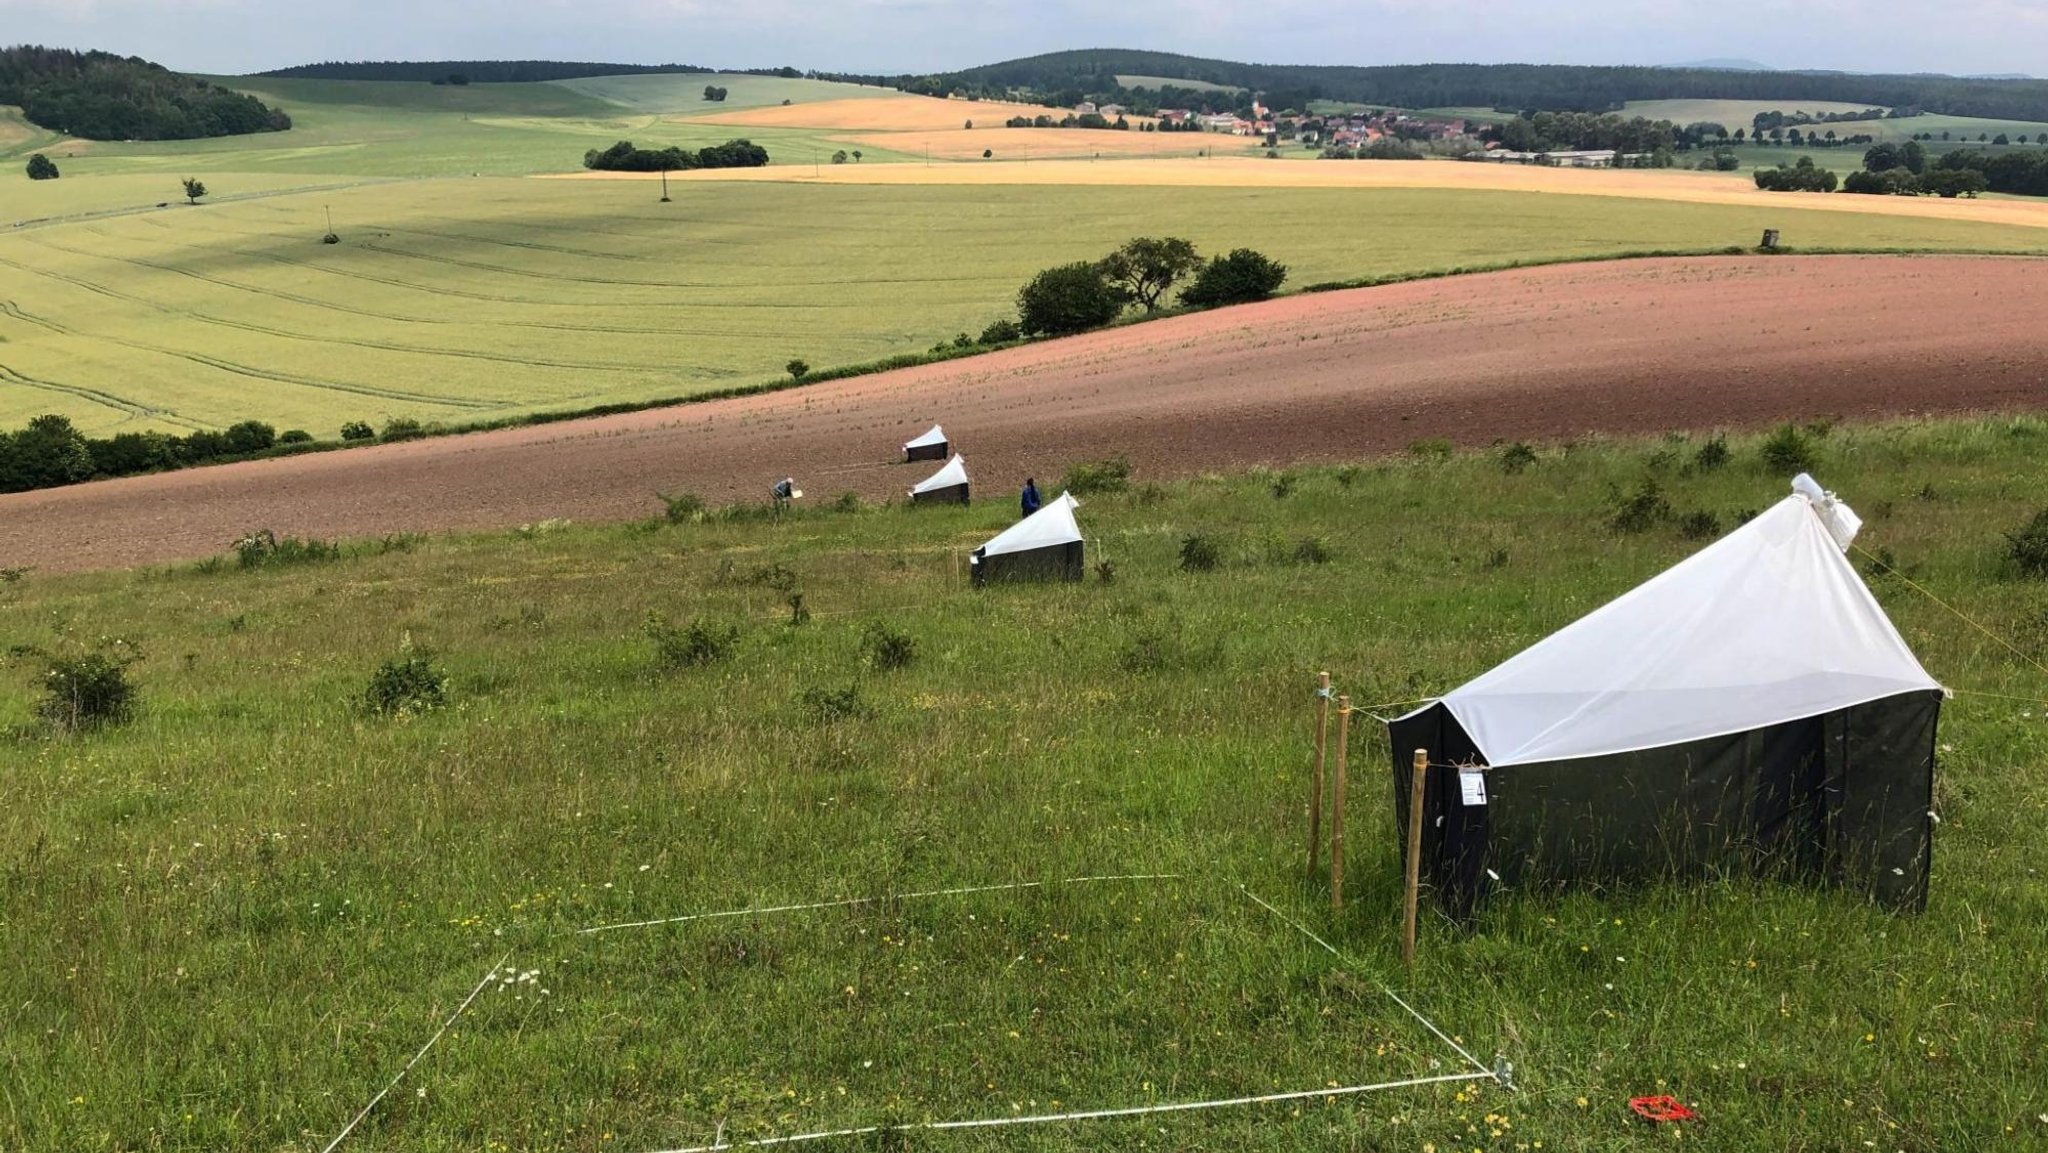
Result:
[459,300]
[228,923]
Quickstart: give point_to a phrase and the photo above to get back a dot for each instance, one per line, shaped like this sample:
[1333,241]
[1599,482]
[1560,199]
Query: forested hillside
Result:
[1092,74]
[100,96]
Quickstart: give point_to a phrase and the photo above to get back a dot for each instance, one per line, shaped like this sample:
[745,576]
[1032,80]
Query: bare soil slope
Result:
[1539,354]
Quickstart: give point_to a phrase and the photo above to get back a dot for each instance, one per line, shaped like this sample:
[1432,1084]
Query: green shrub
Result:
[830,706]
[1641,510]
[885,648]
[265,549]
[87,692]
[358,430]
[698,643]
[1068,299]
[249,436]
[798,369]
[1701,525]
[2028,547]
[1001,332]
[405,684]
[1312,550]
[1788,452]
[1240,277]
[41,167]
[1150,650]
[682,508]
[295,436]
[1200,552]
[1516,457]
[1099,476]
[402,428]
[1711,455]
[777,576]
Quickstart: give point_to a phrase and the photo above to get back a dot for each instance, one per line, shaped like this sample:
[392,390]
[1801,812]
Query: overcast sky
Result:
[231,36]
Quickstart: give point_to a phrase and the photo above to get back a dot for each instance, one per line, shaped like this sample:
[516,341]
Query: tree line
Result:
[625,157]
[473,71]
[1142,272]
[100,96]
[1514,87]
[1582,132]
[1084,120]
[51,451]
[1765,121]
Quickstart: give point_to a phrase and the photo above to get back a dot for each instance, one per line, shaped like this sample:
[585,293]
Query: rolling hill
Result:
[1559,87]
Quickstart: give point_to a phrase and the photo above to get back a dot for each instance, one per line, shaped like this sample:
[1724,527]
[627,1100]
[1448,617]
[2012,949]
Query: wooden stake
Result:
[1411,898]
[1337,808]
[1315,797]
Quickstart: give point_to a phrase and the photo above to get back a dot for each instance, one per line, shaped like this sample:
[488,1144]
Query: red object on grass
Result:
[1662,1107]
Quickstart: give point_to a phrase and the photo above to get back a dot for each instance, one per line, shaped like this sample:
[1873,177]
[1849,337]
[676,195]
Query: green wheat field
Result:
[227,924]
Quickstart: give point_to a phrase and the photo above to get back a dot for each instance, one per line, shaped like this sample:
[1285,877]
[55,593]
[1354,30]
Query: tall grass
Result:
[226,924]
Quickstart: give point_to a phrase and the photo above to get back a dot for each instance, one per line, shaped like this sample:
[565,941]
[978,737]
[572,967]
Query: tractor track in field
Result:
[1544,354]
[238,369]
[287,334]
[369,314]
[688,286]
[133,409]
[432,289]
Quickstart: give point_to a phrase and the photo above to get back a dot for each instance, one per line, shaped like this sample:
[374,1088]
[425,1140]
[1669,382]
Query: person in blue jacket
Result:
[1030,500]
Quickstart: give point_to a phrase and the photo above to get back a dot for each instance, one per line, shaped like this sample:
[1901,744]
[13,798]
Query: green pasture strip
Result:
[229,922]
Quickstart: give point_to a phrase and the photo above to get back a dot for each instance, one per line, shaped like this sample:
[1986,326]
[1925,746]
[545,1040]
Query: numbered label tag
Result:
[1471,786]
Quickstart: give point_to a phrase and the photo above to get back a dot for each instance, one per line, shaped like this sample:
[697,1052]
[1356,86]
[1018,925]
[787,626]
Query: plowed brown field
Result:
[1541,354]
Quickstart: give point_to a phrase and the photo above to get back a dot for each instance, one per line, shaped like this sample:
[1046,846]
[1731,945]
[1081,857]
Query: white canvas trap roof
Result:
[955,473]
[1049,526]
[1767,625]
[937,435]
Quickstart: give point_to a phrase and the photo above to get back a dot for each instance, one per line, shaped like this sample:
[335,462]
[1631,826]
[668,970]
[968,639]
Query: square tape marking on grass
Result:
[977,1007]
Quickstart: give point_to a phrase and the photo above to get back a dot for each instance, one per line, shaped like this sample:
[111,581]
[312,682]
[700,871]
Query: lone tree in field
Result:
[1239,278]
[856,156]
[1146,267]
[716,94]
[193,190]
[798,369]
[1067,299]
[41,167]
